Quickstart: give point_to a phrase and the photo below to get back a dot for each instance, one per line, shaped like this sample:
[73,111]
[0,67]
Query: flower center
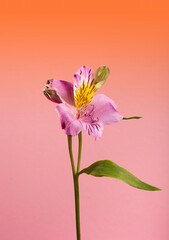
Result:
[84,95]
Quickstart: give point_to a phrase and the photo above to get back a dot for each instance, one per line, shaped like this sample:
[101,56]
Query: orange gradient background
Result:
[50,39]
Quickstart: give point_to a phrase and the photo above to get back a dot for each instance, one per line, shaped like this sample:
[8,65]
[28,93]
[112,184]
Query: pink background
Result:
[43,40]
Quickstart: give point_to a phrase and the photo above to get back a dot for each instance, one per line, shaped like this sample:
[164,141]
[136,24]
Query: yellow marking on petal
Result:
[84,95]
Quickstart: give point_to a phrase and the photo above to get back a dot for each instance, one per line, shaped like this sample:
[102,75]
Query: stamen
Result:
[84,95]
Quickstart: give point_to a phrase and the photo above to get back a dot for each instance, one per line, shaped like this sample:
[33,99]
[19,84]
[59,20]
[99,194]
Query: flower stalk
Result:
[78,110]
[76,180]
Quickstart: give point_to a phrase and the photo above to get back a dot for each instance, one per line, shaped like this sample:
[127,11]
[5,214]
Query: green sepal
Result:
[107,168]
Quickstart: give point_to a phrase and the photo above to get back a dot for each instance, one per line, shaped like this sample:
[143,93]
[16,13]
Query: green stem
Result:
[80,151]
[76,189]
[71,154]
[75,180]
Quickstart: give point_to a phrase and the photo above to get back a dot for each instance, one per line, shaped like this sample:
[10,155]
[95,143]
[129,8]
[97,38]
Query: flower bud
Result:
[101,74]
[50,93]
[100,77]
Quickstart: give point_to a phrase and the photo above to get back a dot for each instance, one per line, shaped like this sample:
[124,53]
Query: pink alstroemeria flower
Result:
[78,108]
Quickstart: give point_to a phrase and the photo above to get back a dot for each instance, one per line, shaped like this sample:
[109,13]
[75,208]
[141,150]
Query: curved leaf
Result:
[107,168]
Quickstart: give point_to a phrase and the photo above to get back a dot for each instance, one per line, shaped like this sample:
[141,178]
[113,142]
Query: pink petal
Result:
[101,111]
[69,123]
[104,109]
[93,128]
[64,90]
[83,75]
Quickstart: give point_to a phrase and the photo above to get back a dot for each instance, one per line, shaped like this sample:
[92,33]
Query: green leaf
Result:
[107,168]
[135,117]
